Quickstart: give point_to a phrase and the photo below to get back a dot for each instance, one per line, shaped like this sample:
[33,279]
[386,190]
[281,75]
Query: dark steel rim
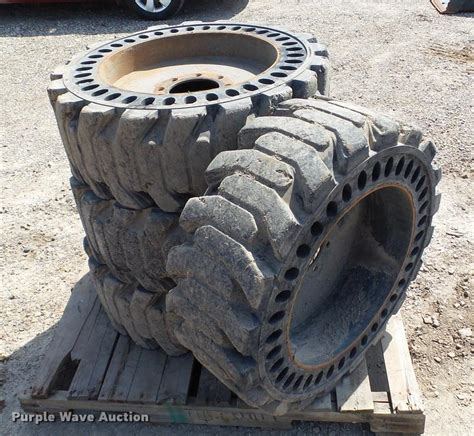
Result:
[84,80]
[404,168]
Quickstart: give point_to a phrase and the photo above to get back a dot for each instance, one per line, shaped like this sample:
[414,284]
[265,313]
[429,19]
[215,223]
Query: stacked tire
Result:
[135,164]
[213,204]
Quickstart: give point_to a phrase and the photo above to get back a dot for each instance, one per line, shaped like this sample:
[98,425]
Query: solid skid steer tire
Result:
[141,117]
[127,252]
[302,248]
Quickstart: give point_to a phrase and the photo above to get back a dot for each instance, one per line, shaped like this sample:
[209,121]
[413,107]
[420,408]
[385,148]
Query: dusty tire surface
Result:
[322,191]
[134,244]
[134,311]
[145,149]
[127,252]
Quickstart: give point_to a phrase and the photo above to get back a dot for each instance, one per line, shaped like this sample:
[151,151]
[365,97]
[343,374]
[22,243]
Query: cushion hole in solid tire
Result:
[283,296]
[353,353]
[112,96]
[384,313]
[289,380]
[316,229]
[388,167]
[308,382]
[415,251]
[274,336]
[297,383]
[409,267]
[341,363]
[400,165]
[423,207]
[330,372]
[423,194]
[130,99]
[277,365]
[232,92]
[169,101]
[274,352]
[408,169]
[318,378]
[362,180]
[376,172]
[250,87]
[291,274]
[422,220]
[393,298]
[401,283]
[331,209]
[281,375]
[419,235]
[190,99]
[347,193]
[303,251]
[420,183]
[375,326]
[415,175]
[277,317]
[148,101]
[364,340]
[212,97]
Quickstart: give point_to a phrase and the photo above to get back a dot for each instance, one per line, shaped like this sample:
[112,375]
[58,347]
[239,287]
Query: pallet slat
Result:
[115,368]
[175,381]
[354,393]
[404,390]
[65,336]
[144,388]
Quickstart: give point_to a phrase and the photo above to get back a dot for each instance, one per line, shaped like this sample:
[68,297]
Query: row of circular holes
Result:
[190,99]
[169,100]
[304,251]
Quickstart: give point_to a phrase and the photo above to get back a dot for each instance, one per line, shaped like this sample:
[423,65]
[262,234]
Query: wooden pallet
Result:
[88,366]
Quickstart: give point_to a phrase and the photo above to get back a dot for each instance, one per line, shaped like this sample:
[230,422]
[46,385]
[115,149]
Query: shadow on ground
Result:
[100,17]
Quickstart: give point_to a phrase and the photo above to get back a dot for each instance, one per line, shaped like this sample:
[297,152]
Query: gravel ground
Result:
[398,57]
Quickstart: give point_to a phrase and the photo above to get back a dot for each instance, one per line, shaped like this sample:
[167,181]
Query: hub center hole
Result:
[194,85]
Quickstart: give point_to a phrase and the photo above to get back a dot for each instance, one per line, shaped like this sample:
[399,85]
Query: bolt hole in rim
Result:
[174,62]
[353,275]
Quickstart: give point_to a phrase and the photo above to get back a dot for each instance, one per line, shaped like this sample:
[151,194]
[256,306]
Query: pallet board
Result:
[90,367]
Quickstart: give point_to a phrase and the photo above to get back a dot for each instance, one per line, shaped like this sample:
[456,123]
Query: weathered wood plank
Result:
[404,390]
[321,404]
[125,378]
[175,381]
[148,376]
[353,391]
[94,356]
[80,303]
[211,390]
[117,363]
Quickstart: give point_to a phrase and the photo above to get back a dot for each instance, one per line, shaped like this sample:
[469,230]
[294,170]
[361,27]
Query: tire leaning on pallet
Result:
[301,249]
[141,117]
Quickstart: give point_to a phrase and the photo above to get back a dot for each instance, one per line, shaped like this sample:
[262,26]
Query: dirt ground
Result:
[400,57]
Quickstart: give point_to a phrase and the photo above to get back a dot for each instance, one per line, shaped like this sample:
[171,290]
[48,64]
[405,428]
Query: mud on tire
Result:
[302,248]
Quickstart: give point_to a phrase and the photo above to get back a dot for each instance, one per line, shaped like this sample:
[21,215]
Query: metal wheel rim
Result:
[153,6]
[83,76]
